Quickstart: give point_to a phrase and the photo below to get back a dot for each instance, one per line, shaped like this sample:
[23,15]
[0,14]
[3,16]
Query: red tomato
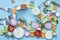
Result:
[10,28]
[37,33]
[23,6]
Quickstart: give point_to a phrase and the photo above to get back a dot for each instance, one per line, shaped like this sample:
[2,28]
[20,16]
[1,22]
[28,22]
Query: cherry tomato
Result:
[10,28]
[37,33]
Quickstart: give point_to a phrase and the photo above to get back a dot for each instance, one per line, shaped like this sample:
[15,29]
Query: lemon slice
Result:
[36,11]
[44,30]
[18,32]
[58,14]
[49,34]
[1,32]
[18,7]
[30,5]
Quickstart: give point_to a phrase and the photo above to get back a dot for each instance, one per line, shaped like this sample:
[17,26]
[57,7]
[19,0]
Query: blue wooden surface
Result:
[3,14]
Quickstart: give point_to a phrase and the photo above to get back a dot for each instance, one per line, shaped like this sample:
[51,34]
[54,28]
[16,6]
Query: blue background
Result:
[28,15]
